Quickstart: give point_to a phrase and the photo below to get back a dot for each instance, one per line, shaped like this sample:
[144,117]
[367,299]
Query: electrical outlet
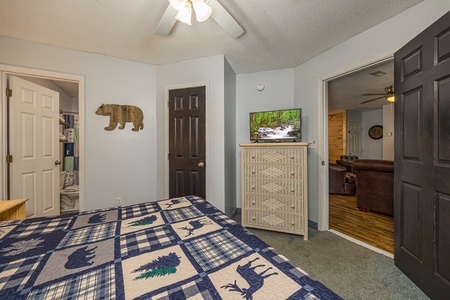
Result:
[119,201]
[313,144]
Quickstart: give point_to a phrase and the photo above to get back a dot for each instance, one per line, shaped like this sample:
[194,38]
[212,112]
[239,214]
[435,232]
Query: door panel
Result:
[354,138]
[422,156]
[187,148]
[34,121]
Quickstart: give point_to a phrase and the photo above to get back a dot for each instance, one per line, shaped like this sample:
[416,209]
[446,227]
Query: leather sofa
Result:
[375,185]
[339,181]
[347,161]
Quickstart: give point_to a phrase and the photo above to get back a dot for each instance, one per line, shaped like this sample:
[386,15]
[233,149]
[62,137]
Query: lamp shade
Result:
[184,14]
[202,10]
[178,4]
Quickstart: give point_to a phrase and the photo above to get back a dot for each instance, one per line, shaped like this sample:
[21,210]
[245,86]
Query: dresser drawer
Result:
[277,204]
[273,221]
[273,187]
[273,171]
[273,155]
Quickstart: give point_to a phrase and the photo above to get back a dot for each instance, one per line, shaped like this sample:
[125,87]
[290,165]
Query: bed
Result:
[179,248]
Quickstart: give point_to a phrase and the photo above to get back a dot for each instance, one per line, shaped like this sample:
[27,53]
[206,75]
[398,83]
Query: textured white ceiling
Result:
[346,92]
[278,33]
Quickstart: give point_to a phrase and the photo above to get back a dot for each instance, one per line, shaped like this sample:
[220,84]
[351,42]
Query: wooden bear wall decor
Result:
[121,114]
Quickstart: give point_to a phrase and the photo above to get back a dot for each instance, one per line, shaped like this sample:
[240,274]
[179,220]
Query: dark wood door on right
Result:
[422,158]
[187,147]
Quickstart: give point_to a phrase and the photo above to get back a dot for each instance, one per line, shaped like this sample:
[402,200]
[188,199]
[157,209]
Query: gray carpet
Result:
[350,270]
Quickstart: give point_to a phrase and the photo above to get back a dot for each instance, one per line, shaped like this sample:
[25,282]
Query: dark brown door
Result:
[422,157]
[187,142]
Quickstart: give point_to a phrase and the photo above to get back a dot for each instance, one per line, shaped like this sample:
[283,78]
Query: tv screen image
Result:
[276,125]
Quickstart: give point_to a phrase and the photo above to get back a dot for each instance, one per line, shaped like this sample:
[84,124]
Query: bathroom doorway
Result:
[71,87]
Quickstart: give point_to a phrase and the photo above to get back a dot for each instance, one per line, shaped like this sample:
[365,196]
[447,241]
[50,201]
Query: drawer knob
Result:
[292,223]
[292,157]
[292,190]
[253,156]
[292,173]
[253,218]
[253,187]
[253,172]
[292,206]
[253,202]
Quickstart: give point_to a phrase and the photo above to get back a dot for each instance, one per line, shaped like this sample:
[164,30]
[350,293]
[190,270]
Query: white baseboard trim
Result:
[362,244]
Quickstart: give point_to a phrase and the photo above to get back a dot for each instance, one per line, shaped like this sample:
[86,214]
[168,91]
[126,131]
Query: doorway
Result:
[63,81]
[187,147]
[354,97]
[204,86]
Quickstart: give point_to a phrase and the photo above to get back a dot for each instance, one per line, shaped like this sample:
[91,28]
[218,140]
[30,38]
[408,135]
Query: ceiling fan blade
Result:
[167,21]
[373,99]
[224,19]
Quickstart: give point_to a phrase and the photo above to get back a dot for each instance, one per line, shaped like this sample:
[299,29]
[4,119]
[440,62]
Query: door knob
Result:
[201,164]
[57,162]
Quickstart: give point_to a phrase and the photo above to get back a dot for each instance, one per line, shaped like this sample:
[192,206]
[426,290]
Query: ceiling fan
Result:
[389,95]
[181,10]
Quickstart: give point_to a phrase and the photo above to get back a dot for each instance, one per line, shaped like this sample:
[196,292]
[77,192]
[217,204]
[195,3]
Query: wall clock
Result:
[376,132]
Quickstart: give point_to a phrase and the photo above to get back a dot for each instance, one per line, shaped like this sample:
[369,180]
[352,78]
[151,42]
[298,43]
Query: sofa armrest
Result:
[374,165]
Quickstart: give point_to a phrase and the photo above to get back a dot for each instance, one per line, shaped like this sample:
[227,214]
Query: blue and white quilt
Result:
[180,248]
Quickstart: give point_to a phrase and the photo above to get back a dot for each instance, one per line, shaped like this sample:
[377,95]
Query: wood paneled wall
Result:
[337,137]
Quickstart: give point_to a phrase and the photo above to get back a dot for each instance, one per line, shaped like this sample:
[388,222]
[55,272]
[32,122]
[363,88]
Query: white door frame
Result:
[207,132]
[6,70]
[322,163]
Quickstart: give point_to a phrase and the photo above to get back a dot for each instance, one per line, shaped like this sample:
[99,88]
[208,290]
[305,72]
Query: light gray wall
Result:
[230,139]
[388,132]
[370,46]
[278,94]
[211,70]
[120,162]
[354,115]
[371,149]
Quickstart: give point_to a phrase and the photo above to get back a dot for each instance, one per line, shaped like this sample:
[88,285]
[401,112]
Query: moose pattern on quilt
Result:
[180,248]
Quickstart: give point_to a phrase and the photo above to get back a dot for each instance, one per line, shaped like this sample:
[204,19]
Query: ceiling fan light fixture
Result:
[202,10]
[184,15]
[390,93]
[178,4]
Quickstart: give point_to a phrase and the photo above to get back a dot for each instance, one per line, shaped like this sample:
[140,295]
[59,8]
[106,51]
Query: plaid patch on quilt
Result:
[141,241]
[214,250]
[17,273]
[182,214]
[96,284]
[88,234]
[180,248]
[26,229]
[138,210]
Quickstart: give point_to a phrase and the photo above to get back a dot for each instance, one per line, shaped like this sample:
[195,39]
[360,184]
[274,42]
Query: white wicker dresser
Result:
[274,187]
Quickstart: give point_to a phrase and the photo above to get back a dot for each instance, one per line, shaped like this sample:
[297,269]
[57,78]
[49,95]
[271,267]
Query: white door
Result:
[34,144]
[354,143]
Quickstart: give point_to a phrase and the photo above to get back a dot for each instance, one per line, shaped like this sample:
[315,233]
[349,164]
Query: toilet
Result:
[69,196]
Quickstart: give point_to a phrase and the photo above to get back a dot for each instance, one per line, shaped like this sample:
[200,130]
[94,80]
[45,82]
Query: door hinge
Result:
[8,92]
[168,104]
[9,159]
[168,155]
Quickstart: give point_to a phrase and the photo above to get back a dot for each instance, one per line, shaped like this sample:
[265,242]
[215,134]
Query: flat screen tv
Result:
[276,125]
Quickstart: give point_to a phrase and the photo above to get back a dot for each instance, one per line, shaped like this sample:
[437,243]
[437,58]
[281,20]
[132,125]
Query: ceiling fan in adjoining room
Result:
[389,95]
[182,10]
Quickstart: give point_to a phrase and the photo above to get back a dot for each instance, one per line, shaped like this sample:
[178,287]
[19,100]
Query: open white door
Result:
[34,144]
[354,138]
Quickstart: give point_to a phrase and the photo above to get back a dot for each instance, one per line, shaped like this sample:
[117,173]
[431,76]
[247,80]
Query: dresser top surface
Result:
[262,145]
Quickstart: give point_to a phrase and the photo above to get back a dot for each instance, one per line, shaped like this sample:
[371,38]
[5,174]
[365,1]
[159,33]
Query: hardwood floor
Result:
[371,228]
